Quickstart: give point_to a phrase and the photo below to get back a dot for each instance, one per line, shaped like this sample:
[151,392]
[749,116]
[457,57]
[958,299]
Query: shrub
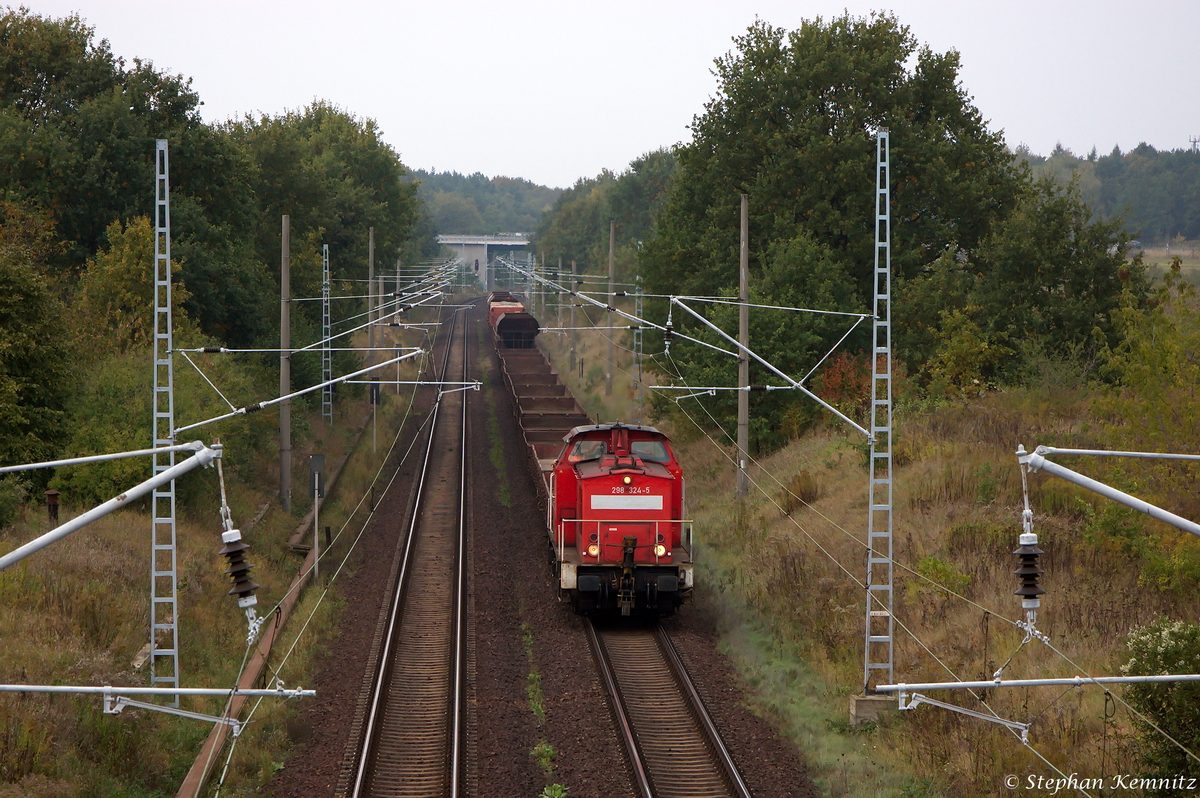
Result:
[1166,646]
[12,496]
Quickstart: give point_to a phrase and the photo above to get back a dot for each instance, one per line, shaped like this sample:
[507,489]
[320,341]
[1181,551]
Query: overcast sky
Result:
[552,91]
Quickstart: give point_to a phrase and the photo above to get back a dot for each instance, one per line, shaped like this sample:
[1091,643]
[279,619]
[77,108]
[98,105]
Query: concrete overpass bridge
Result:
[478,251]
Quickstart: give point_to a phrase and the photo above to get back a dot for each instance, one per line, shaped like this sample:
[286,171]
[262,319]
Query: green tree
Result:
[34,356]
[576,227]
[983,258]
[476,203]
[114,302]
[332,173]
[1046,276]
[792,125]
[1156,193]
[77,133]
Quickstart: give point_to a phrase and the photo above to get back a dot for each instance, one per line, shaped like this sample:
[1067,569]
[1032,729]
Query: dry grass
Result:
[592,349]
[1158,260]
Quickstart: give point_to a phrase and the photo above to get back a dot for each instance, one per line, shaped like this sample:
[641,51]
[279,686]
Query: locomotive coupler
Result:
[625,594]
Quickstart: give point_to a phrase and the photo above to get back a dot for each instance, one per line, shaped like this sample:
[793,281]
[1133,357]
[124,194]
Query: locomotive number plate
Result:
[626,502]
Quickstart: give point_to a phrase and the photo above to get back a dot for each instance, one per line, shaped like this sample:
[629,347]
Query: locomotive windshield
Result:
[654,451]
[587,450]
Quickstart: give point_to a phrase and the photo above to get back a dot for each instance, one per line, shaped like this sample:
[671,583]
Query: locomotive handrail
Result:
[598,521]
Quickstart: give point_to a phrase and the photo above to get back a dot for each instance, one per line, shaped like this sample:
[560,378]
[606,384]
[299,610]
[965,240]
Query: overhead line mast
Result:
[877,651]
[326,333]
[164,610]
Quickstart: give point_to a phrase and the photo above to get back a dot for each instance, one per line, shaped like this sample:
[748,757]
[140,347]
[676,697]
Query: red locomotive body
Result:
[616,521]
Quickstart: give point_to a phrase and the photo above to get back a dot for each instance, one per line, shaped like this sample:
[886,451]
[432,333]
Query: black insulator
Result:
[239,569]
[1027,556]
[211,350]
[254,408]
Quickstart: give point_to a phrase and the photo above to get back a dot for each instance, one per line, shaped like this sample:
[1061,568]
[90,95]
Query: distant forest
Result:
[1156,191]
[475,203]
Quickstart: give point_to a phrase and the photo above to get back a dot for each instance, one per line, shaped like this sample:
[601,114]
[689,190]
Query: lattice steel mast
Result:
[877,651]
[637,347]
[164,615]
[326,332]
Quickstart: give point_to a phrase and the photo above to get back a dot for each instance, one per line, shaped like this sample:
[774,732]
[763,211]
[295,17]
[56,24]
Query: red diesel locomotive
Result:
[616,521]
[614,493]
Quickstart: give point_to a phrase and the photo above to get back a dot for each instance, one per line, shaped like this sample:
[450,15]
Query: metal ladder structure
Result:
[637,346]
[326,332]
[877,652]
[164,608]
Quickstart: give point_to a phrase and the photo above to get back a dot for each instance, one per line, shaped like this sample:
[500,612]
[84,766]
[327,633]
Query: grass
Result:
[1158,260]
[957,520]
[543,752]
[592,350]
[496,452]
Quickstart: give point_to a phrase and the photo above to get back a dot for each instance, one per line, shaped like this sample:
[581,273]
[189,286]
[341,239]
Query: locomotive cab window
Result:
[587,450]
[654,451]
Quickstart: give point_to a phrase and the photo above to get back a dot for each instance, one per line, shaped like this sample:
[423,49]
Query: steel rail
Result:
[460,591]
[397,599]
[700,712]
[655,771]
[641,777]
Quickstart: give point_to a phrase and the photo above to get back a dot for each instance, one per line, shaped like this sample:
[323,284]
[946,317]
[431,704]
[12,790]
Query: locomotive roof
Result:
[611,425]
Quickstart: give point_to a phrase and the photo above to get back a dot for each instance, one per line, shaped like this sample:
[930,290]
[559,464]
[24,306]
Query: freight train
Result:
[613,493]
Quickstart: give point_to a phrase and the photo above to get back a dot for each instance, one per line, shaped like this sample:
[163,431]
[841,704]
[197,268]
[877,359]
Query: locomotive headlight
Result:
[627,480]
[593,550]
[660,550]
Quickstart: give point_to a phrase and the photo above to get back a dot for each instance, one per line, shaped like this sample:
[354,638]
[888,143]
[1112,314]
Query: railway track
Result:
[414,724]
[673,746]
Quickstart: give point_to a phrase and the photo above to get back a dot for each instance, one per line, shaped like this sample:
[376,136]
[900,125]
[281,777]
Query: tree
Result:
[336,177]
[77,133]
[792,125]
[982,257]
[478,204]
[33,344]
[576,227]
[113,309]
[1046,276]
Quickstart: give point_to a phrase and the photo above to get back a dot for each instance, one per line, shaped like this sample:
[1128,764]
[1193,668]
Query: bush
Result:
[1166,646]
[12,496]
